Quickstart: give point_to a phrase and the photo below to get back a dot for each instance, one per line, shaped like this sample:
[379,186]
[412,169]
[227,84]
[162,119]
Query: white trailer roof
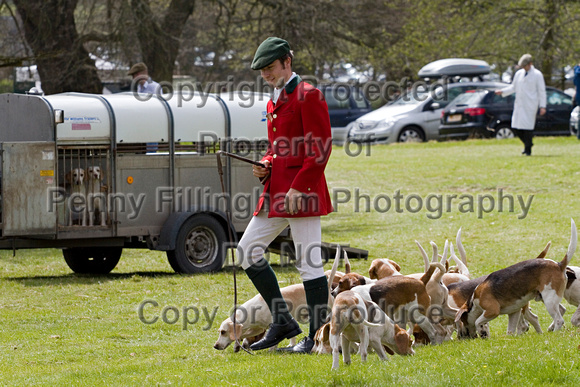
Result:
[149,118]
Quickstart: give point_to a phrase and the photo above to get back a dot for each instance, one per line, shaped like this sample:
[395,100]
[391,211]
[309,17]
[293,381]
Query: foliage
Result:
[496,31]
[386,40]
[62,60]
[58,328]
[6,86]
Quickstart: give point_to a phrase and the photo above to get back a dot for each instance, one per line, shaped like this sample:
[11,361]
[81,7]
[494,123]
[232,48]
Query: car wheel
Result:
[411,134]
[199,247]
[504,132]
[92,260]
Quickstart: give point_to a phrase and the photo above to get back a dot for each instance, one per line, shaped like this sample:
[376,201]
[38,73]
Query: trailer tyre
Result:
[199,247]
[92,260]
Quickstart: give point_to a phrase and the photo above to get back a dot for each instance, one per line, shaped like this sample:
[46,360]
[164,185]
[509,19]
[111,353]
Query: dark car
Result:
[482,113]
[345,104]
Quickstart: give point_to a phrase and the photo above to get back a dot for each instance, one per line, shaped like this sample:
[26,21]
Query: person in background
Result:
[141,77]
[530,89]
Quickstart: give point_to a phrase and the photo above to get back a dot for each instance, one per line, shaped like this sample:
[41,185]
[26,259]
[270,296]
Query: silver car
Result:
[415,116]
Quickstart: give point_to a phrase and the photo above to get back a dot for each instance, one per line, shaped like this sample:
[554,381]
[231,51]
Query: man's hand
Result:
[498,92]
[542,111]
[293,201]
[261,172]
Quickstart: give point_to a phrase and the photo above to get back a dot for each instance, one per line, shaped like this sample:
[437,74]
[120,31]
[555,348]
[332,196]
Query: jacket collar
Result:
[289,88]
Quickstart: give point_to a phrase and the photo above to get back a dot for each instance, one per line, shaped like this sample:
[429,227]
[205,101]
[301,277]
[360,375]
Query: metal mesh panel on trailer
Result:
[84,178]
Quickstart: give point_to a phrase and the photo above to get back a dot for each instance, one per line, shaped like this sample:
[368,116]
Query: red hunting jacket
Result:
[299,145]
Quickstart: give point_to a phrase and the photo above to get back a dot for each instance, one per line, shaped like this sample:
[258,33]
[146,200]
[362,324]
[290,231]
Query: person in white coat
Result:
[530,89]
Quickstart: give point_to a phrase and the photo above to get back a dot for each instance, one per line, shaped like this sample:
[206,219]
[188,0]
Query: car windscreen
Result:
[337,98]
[359,99]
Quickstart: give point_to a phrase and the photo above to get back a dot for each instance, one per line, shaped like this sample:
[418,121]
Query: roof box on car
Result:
[453,67]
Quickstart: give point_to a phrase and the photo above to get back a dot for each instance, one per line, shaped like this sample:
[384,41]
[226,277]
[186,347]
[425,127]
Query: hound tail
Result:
[333,274]
[374,310]
[459,262]
[424,254]
[346,264]
[545,251]
[571,248]
[334,268]
[427,276]
[460,248]
[370,324]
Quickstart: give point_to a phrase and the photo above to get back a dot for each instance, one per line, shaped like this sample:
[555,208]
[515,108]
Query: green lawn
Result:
[58,328]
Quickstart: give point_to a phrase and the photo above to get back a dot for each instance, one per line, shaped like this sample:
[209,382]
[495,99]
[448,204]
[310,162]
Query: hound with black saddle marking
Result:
[508,290]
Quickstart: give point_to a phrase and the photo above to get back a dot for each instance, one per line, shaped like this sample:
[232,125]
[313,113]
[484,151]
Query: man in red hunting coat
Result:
[295,193]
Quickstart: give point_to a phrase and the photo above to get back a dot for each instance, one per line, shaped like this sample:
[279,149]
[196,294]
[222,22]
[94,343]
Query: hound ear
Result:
[571,275]
[396,265]
[373,273]
[464,309]
[231,331]
[238,333]
[362,280]
[402,340]
[325,332]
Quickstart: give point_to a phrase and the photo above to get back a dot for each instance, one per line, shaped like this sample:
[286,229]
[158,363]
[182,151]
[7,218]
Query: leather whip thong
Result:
[230,236]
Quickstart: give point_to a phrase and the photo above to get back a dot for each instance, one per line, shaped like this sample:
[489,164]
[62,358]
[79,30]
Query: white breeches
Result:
[306,233]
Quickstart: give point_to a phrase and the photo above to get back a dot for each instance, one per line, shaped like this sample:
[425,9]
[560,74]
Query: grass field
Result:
[58,328]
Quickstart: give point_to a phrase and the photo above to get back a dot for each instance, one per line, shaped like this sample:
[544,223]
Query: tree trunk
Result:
[63,63]
[160,41]
[547,43]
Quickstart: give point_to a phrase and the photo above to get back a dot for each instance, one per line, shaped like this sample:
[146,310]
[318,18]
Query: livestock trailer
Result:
[93,174]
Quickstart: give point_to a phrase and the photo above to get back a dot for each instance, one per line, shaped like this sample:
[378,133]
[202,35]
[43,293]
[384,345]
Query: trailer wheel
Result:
[92,260]
[199,247]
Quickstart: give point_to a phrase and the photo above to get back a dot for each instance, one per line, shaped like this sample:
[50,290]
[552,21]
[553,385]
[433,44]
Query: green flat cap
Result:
[270,50]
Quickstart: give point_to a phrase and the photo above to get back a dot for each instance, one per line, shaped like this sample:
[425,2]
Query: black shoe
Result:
[304,346]
[276,334]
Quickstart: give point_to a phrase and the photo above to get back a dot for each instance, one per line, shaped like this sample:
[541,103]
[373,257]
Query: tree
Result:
[326,31]
[497,31]
[159,38]
[385,38]
[62,61]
